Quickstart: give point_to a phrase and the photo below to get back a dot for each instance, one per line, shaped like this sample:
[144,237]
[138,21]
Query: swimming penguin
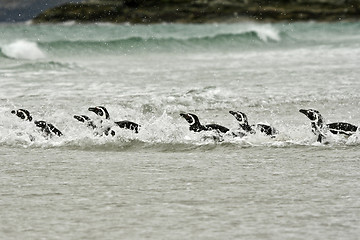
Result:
[319,127]
[85,119]
[102,112]
[196,126]
[251,129]
[26,116]
[23,114]
[47,128]
[89,123]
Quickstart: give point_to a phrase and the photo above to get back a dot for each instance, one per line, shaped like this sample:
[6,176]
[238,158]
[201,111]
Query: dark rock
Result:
[202,11]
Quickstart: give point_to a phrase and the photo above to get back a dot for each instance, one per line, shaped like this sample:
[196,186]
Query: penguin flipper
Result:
[128,125]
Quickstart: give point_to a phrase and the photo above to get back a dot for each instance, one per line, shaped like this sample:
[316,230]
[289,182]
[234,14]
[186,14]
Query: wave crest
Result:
[23,49]
[252,37]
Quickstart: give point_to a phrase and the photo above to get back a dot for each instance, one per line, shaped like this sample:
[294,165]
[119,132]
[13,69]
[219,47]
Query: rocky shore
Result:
[201,11]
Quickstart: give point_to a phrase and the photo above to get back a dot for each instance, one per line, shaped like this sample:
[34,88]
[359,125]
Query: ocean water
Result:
[167,182]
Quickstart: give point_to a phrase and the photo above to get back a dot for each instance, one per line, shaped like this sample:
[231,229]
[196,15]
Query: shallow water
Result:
[252,192]
[167,182]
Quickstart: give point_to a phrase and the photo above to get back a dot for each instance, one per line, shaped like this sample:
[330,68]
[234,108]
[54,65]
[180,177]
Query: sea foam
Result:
[266,32]
[23,49]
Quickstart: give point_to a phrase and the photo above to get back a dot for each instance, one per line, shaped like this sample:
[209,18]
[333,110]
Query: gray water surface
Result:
[261,193]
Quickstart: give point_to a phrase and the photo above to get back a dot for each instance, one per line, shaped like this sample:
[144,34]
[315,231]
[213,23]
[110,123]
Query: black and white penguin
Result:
[98,129]
[26,116]
[48,129]
[103,113]
[320,129]
[196,126]
[23,114]
[85,119]
[246,129]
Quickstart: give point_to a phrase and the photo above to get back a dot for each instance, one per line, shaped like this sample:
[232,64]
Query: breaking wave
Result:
[23,49]
[255,36]
[65,40]
[139,44]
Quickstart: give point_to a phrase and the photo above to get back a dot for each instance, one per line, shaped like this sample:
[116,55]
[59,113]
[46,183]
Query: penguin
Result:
[320,129]
[196,126]
[23,114]
[245,128]
[47,128]
[91,124]
[26,116]
[85,119]
[103,113]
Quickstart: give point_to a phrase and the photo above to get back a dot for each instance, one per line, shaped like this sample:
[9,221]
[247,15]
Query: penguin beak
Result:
[232,112]
[13,112]
[304,111]
[184,115]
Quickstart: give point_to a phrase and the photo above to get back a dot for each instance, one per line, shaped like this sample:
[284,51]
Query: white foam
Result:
[23,49]
[170,133]
[69,23]
[266,32]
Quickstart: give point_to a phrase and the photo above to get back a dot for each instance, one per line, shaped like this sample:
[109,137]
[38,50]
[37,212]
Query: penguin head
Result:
[85,119]
[240,116]
[100,111]
[82,118]
[192,119]
[41,124]
[312,114]
[23,114]
[48,128]
[317,122]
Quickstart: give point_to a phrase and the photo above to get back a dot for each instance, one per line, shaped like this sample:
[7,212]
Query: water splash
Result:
[163,133]
[23,49]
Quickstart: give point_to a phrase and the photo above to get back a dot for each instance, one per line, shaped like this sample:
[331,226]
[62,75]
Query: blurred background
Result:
[177,11]
[24,10]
